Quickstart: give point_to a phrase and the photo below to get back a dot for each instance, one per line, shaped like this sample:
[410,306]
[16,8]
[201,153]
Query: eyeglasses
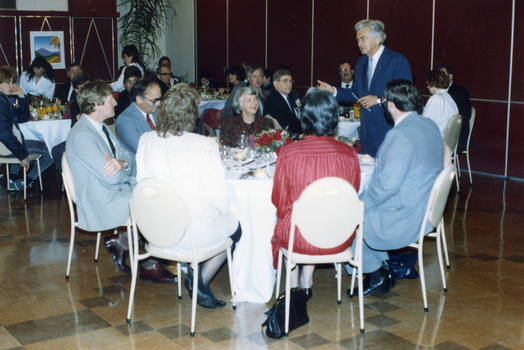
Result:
[345,69]
[164,74]
[153,101]
[287,81]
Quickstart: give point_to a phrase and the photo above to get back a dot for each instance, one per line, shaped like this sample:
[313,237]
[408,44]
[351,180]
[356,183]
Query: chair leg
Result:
[458,163]
[469,167]
[444,243]
[39,173]
[422,275]
[288,295]
[231,278]
[279,273]
[25,189]
[339,283]
[179,272]
[439,252]
[360,296]
[353,275]
[7,172]
[195,296]
[134,274]
[97,246]
[71,243]
[456,170]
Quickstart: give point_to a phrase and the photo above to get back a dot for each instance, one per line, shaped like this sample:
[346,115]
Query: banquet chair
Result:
[451,138]
[434,214]
[471,123]
[331,205]
[13,160]
[163,219]
[69,186]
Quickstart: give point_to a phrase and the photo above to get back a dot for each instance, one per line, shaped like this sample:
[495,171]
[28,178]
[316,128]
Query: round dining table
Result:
[251,203]
[50,131]
[349,128]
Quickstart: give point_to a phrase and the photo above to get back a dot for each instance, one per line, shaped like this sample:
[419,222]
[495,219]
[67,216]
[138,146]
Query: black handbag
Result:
[404,265]
[276,315]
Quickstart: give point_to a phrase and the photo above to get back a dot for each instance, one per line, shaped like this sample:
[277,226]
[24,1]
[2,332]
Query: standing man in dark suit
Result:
[279,104]
[346,71]
[374,69]
[407,164]
[140,116]
[461,97]
[65,92]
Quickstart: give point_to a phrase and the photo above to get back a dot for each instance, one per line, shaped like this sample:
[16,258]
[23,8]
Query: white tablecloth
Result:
[217,104]
[348,129]
[52,132]
[253,260]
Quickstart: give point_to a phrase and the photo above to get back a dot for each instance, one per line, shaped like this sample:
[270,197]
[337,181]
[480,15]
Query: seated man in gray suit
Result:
[140,116]
[101,170]
[407,164]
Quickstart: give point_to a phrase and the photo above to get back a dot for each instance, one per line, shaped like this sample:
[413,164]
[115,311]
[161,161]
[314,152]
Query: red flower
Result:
[264,140]
[277,136]
[288,141]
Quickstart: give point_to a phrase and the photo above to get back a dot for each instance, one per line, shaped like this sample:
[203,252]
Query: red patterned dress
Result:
[298,165]
[232,127]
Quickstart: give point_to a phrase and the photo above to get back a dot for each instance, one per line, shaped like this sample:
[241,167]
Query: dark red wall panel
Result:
[408,31]
[212,37]
[474,38]
[8,40]
[289,37]
[334,37]
[517,90]
[516,142]
[247,28]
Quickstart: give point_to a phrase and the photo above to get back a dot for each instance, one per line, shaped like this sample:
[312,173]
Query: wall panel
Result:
[247,32]
[334,37]
[212,37]
[8,41]
[516,142]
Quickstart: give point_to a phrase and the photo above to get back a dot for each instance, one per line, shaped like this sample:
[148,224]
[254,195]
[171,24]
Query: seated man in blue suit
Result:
[101,170]
[140,116]
[374,69]
[407,164]
[280,105]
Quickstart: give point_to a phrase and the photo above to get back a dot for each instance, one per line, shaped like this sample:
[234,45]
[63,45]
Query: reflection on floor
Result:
[483,308]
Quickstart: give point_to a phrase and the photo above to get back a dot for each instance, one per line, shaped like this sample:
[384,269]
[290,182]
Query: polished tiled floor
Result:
[483,308]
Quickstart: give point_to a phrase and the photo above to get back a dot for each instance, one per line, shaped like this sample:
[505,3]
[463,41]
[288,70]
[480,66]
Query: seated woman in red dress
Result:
[245,107]
[299,164]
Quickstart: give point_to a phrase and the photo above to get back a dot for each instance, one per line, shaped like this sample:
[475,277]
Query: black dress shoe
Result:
[391,273]
[120,254]
[158,274]
[382,286]
[309,293]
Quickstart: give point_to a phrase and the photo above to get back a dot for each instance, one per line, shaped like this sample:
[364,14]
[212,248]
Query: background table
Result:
[217,104]
[348,129]
[253,259]
[52,132]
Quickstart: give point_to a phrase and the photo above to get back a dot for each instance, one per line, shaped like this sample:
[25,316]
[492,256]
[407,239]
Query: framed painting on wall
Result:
[48,45]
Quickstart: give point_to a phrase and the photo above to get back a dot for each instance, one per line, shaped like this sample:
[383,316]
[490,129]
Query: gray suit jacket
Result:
[130,125]
[407,163]
[102,201]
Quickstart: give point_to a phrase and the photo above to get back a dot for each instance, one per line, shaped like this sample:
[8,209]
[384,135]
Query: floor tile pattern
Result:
[482,310]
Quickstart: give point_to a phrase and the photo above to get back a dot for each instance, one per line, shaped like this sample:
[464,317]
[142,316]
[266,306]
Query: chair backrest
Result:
[67,176]
[159,212]
[452,131]
[327,213]
[4,151]
[447,155]
[439,195]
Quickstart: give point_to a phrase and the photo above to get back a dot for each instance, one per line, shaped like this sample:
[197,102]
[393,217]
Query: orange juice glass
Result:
[356,110]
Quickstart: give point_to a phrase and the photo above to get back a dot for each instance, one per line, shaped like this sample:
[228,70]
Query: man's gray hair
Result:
[237,99]
[376,27]
[253,68]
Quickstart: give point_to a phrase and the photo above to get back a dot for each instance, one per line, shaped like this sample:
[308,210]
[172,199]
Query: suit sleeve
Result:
[391,169]
[346,95]
[128,132]
[6,125]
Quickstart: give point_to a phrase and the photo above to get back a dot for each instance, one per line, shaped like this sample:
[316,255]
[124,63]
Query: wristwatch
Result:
[126,166]
[379,101]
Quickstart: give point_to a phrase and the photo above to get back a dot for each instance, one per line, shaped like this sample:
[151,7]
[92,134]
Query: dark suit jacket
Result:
[124,101]
[277,107]
[461,97]
[373,127]
[62,91]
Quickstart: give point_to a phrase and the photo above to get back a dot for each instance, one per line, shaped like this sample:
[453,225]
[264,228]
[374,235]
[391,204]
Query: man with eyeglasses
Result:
[346,71]
[280,105]
[140,116]
[163,74]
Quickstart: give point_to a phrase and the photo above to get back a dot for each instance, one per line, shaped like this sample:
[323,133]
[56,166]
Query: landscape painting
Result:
[48,45]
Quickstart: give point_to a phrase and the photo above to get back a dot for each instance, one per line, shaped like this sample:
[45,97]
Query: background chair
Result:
[163,219]
[434,214]
[69,186]
[451,137]
[13,160]
[471,123]
[327,205]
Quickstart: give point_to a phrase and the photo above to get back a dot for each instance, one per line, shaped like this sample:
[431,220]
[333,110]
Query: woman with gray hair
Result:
[191,164]
[245,106]
[299,164]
